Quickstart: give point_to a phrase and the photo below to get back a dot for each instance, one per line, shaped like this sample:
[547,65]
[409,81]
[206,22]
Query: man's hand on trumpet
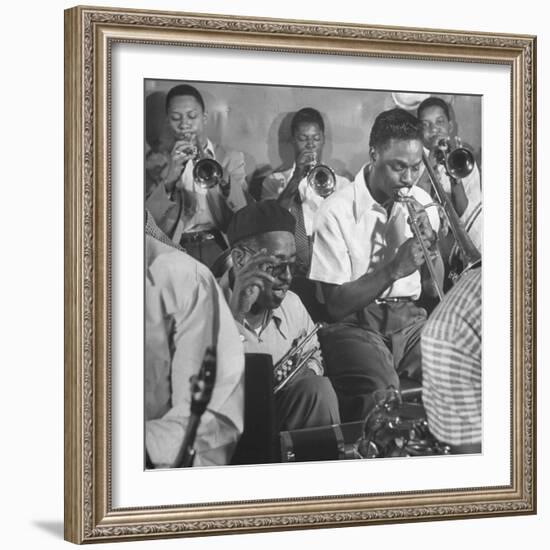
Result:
[181,152]
[408,259]
[422,221]
[432,277]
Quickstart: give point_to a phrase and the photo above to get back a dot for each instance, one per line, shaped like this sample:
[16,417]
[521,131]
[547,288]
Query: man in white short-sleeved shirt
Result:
[371,267]
[290,188]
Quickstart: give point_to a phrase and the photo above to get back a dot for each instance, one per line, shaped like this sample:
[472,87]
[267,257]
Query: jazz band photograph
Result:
[312,277]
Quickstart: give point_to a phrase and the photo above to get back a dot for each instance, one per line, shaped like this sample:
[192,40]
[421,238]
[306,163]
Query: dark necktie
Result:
[303,242]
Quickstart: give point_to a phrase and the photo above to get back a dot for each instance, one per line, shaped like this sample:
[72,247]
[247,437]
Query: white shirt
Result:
[274,184]
[354,236]
[185,312]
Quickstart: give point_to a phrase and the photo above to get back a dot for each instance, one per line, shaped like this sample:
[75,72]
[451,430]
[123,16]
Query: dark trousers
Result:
[372,353]
[308,401]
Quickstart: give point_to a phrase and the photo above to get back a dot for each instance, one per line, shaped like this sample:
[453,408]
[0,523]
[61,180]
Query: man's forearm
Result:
[342,300]
[460,200]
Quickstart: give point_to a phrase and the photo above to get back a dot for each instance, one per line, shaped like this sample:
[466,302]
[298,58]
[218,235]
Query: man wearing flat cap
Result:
[269,317]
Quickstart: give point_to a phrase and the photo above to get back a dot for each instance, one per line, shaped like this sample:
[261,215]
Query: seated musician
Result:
[189,214]
[290,187]
[371,267]
[185,312]
[269,316]
[451,366]
[465,193]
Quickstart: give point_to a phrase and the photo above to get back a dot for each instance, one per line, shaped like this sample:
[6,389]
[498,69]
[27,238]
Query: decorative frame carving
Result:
[89,35]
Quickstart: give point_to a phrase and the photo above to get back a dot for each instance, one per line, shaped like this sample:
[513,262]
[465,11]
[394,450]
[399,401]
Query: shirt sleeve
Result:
[233,164]
[272,186]
[237,170]
[432,211]
[330,262]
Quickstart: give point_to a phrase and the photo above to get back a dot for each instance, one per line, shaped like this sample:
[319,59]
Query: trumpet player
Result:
[371,268]
[270,317]
[290,187]
[438,129]
[195,213]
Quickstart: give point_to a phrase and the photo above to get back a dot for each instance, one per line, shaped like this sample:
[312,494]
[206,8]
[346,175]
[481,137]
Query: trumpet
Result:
[407,201]
[207,172]
[320,177]
[294,360]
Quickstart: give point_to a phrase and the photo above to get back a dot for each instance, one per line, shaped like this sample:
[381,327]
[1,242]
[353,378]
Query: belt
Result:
[198,236]
[394,300]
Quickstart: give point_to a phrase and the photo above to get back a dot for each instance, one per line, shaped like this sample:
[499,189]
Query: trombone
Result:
[458,164]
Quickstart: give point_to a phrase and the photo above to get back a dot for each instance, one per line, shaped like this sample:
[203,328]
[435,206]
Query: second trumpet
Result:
[294,360]
[320,177]
[207,172]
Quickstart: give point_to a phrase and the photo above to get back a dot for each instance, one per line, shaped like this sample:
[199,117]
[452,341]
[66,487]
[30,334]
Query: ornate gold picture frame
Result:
[90,36]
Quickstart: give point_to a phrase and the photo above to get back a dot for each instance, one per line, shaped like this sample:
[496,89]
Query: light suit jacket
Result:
[168,212]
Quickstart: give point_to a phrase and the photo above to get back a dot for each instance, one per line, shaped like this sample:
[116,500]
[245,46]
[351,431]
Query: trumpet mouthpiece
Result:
[403,192]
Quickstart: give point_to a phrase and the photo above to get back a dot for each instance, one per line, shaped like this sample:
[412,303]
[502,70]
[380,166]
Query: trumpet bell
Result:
[322,180]
[460,163]
[207,173]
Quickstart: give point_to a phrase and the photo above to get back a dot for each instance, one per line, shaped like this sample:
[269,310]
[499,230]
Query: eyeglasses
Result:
[275,270]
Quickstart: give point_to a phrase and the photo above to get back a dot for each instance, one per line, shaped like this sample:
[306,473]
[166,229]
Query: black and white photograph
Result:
[312,277]
[277,317]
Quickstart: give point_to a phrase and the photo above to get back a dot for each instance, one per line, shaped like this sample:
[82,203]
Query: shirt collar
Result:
[209,149]
[275,314]
[363,201]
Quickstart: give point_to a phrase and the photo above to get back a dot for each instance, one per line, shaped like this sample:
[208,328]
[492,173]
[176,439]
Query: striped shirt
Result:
[451,364]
